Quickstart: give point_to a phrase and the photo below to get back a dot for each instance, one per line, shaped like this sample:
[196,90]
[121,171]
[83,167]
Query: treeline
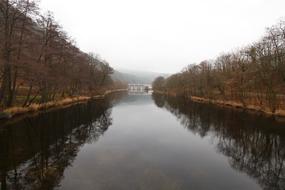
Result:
[39,62]
[252,76]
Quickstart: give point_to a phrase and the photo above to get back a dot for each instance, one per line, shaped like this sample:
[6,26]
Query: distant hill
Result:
[141,77]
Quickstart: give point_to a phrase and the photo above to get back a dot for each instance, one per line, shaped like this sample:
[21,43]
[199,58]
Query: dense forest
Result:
[39,62]
[253,76]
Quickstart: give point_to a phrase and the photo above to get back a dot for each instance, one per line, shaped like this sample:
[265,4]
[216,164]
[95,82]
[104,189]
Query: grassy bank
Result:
[33,108]
[230,104]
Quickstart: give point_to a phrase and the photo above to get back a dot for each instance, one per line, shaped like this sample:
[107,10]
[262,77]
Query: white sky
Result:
[163,35]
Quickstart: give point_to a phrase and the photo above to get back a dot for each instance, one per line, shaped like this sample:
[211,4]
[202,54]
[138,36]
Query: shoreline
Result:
[231,105]
[13,112]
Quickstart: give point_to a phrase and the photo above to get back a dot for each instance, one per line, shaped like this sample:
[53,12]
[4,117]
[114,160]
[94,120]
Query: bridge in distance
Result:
[139,87]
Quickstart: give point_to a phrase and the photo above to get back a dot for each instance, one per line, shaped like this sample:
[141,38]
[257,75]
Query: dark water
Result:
[143,142]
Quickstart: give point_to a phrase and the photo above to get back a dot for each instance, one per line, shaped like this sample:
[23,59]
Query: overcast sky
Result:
[163,35]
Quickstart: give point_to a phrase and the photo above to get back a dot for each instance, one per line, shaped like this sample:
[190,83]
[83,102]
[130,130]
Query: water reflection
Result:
[35,151]
[146,147]
[254,145]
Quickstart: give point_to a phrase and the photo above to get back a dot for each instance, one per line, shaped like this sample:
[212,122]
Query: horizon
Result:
[163,36]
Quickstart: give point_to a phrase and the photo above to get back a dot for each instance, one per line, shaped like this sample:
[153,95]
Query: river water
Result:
[143,142]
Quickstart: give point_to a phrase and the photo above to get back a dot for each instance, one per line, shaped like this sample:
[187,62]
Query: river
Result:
[142,142]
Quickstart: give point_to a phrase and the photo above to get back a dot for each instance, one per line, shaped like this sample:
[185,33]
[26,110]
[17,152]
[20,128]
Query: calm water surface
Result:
[143,142]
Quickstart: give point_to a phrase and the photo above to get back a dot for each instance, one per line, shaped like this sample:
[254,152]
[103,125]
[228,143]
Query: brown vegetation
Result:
[37,107]
[39,62]
[252,77]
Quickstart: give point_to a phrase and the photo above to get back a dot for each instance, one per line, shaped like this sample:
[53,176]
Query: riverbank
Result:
[232,105]
[12,112]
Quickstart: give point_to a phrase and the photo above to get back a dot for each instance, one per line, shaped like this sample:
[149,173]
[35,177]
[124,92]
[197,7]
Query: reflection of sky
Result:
[148,148]
[136,99]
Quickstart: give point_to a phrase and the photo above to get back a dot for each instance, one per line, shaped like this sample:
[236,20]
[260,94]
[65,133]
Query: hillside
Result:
[130,76]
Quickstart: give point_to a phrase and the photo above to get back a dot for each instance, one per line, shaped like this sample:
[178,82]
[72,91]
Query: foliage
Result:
[254,75]
[39,61]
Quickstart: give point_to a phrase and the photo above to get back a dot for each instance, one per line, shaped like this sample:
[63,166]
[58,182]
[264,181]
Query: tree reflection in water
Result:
[253,144]
[35,151]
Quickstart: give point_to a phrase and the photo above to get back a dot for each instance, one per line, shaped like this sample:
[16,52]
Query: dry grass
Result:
[231,104]
[280,112]
[108,92]
[238,105]
[13,111]
[39,107]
